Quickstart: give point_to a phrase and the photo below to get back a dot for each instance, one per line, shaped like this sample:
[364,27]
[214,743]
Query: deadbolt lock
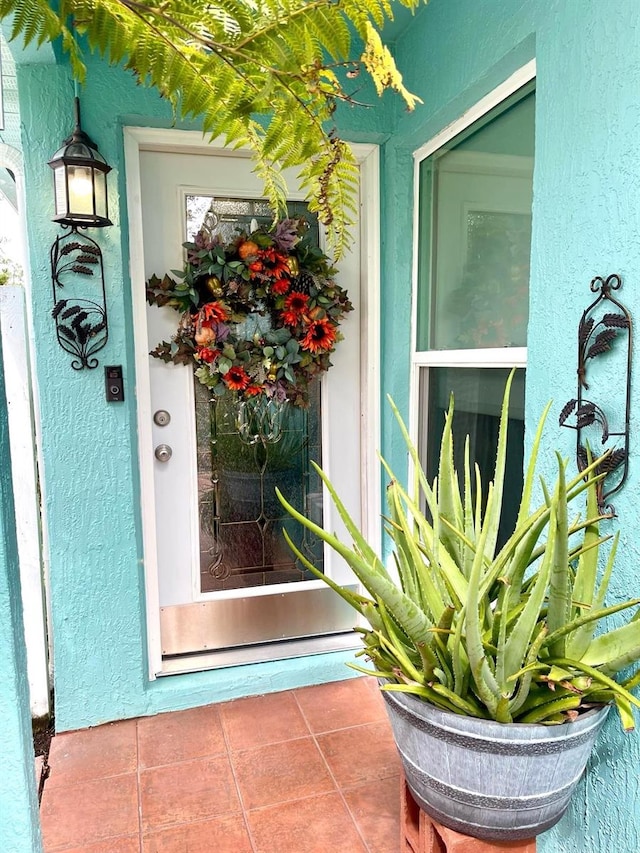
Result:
[161,417]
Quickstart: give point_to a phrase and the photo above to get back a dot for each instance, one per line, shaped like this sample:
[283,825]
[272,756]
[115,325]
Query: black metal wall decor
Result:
[80,188]
[81,323]
[603,322]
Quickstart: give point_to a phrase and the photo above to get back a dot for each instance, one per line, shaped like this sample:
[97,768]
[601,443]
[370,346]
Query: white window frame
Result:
[502,357]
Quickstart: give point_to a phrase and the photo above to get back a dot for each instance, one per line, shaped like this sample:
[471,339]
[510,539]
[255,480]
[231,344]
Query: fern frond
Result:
[258,73]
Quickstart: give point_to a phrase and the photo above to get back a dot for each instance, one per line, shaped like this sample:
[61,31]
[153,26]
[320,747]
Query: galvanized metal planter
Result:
[485,779]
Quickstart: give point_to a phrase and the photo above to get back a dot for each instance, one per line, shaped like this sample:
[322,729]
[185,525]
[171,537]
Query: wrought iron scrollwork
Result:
[81,323]
[601,324]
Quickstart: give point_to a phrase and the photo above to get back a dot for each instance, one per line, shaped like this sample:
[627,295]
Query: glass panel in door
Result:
[241,521]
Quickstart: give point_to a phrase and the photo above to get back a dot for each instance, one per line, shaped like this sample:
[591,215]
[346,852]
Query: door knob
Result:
[163,453]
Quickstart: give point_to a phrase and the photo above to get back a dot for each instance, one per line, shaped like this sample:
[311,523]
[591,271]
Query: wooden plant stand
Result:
[421,834]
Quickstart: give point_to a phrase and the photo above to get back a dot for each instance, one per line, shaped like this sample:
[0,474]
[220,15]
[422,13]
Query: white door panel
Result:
[166,178]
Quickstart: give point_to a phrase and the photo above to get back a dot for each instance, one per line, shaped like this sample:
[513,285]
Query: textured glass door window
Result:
[241,520]
[475,235]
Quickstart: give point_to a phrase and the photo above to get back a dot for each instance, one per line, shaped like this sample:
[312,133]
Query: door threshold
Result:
[260,653]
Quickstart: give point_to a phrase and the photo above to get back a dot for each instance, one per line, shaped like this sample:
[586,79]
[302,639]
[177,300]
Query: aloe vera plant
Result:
[505,633]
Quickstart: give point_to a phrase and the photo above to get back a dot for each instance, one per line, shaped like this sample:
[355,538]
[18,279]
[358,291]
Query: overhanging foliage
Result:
[263,74]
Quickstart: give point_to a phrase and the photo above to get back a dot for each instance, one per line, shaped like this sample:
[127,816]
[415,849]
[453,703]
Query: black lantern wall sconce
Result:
[80,187]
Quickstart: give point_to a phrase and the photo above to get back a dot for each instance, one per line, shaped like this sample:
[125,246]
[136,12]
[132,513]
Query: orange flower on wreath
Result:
[320,337]
[206,354]
[236,379]
[270,264]
[280,286]
[295,306]
[253,390]
[213,312]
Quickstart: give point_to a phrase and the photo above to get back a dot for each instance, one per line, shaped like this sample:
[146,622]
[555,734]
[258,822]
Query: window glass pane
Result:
[478,397]
[475,234]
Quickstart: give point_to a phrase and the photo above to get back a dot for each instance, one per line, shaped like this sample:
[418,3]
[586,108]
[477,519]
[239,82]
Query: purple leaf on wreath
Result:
[203,241]
[286,234]
[222,332]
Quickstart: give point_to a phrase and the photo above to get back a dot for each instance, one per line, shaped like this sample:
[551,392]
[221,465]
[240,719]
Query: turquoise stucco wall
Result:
[19,824]
[585,222]
[587,172]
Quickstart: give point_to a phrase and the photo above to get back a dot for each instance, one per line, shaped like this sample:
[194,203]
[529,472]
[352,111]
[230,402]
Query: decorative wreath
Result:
[260,315]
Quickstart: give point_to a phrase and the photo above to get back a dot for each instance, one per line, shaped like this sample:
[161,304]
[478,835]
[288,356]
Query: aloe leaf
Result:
[358,539]
[584,585]
[459,659]
[512,563]
[469,525]
[413,452]
[467,705]
[525,676]
[614,650]
[411,618]
[369,610]
[574,528]
[514,651]
[440,646]
[591,617]
[599,676]
[406,555]
[352,598]
[547,712]
[623,707]
[493,519]
[373,672]
[604,584]
[420,580]
[427,693]
[632,682]
[449,503]
[443,566]
[559,594]
[527,487]
[486,684]
[396,650]
[478,513]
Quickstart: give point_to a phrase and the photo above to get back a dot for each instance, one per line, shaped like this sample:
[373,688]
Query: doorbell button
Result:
[114,383]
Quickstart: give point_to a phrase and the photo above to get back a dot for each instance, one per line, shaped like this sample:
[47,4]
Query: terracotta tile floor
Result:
[313,770]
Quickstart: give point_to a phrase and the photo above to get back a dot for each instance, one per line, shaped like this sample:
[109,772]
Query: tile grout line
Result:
[243,811]
[334,780]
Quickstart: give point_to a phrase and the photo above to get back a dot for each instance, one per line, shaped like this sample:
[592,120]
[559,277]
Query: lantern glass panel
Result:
[100,180]
[80,190]
[60,187]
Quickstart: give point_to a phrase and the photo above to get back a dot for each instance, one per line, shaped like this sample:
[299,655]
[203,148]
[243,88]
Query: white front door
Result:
[228,589]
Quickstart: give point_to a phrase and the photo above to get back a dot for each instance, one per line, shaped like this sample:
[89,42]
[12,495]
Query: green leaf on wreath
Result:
[229,352]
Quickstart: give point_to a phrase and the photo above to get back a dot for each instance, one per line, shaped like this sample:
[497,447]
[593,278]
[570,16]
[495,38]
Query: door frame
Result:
[137,139]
